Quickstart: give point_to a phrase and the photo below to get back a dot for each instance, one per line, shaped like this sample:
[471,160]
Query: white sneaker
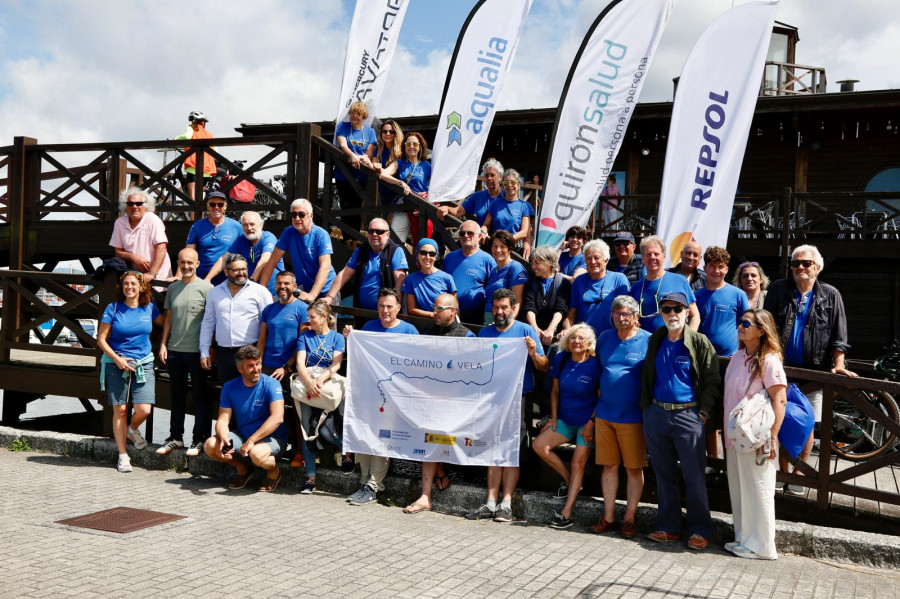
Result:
[124,463]
[194,450]
[170,444]
[135,436]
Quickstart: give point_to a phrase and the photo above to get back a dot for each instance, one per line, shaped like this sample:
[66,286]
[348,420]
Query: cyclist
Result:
[197,130]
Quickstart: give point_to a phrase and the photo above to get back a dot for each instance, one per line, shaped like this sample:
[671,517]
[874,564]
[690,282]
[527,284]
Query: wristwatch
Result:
[286,367]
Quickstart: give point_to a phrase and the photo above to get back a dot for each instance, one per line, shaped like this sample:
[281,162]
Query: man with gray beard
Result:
[256,246]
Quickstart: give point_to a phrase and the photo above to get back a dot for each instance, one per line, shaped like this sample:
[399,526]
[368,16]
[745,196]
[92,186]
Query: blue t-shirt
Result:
[720,313]
[620,385]
[371,275]
[426,288]
[417,176]
[252,253]
[250,405]
[794,353]
[358,140]
[578,387]
[674,383]
[478,204]
[504,278]
[404,328]
[282,327]
[387,195]
[518,329]
[130,328]
[305,251]
[320,349]
[507,216]
[593,300]
[471,275]
[212,241]
[568,265]
[647,294]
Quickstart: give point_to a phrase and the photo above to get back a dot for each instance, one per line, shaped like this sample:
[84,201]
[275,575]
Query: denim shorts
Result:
[571,432]
[276,444]
[120,391]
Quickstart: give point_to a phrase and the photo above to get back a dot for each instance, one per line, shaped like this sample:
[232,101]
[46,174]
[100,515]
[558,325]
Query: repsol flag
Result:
[597,103]
[484,52]
[711,119]
[434,399]
[370,50]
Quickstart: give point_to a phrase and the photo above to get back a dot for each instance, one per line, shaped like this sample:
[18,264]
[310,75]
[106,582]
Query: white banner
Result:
[711,119]
[370,50]
[597,102]
[434,399]
[484,52]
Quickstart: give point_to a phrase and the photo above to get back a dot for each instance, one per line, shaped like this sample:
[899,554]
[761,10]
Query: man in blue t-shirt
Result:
[212,236]
[504,309]
[279,327]
[309,248]
[721,305]
[256,404]
[658,282]
[679,387]
[256,246]
[470,267]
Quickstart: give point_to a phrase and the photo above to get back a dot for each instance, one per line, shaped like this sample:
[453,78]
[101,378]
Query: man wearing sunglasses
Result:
[139,237]
[679,387]
[212,236]
[627,261]
[471,268]
[812,323]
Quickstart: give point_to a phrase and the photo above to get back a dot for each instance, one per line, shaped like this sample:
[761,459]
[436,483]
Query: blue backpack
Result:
[798,423]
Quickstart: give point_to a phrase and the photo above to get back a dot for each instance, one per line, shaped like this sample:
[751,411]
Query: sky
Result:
[104,70]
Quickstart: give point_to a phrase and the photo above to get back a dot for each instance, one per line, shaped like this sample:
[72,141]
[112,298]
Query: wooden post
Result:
[17,195]
[822,494]
[786,202]
[305,171]
[199,183]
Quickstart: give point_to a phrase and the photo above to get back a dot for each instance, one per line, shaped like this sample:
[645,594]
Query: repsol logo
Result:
[709,152]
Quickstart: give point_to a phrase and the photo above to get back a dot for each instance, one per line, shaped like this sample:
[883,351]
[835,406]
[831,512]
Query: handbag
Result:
[798,422]
[750,423]
[330,397]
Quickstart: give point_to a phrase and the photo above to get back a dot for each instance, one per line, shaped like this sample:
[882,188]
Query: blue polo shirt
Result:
[517,329]
[593,300]
[404,328]
[305,251]
[252,252]
[620,385]
[647,294]
[568,265]
[212,241]
[250,405]
[674,383]
[320,349]
[720,314]
[479,202]
[130,328]
[282,328]
[371,275]
[507,216]
[506,277]
[471,275]
[579,384]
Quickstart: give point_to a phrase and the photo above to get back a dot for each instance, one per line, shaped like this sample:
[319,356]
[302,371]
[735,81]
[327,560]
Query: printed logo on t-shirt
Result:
[145,318]
[472,272]
[634,357]
[585,380]
[682,360]
[721,307]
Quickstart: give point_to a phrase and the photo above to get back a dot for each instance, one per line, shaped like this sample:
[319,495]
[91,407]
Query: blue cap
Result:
[674,296]
[624,236]
[216,194]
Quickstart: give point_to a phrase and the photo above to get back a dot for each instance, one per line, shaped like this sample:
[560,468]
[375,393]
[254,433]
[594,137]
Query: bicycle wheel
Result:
[854,435]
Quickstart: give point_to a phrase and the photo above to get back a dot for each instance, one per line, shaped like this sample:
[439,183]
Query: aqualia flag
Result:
[434,399]
[370,51]
[711,120]
[484,52]
[597,103]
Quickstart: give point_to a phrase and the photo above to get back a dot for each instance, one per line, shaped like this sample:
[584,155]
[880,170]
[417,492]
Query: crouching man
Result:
[256,402]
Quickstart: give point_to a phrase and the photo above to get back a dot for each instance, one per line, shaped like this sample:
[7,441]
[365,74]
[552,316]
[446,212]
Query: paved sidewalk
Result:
[283,544]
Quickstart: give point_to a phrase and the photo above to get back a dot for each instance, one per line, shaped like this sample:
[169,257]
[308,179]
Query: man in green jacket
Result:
[680,383]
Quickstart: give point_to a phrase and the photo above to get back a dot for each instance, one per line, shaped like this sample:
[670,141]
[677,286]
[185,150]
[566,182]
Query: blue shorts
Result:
[276,444]
[571,432]
[120,391]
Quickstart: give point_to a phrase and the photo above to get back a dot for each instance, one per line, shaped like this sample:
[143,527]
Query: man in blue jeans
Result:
[679,386]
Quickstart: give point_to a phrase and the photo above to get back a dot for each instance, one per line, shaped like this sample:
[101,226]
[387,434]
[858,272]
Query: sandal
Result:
[442,482]
[415,508]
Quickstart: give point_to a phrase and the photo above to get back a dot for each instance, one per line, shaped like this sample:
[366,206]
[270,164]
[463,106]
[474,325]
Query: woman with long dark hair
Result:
[412,172]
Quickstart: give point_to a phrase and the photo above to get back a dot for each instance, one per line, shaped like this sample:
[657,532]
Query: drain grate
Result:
[121,520]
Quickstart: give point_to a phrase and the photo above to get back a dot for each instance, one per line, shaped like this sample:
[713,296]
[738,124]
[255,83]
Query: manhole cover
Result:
[121,519]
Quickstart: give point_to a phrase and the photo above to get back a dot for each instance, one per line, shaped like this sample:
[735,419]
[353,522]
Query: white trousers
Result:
[752,490]
[400,225]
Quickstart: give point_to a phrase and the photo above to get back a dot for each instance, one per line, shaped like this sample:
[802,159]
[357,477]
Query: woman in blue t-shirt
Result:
[571,260]
[509,213]
[509,274]
[320,352]
[424,286]
[413,174]
[390,148]
[576,385]
[357,141]
[126,368]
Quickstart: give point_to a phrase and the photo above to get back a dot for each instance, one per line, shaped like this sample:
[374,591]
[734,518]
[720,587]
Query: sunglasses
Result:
[670,309]
[217,204]
[442,308]
[510,184]
[748,264]
[376,231]
[411,144]
[621,242]
[138,275]
[298,215]
[467,233]
[391,131]
[747,324]
[427,253]
[803,263]
[133,204]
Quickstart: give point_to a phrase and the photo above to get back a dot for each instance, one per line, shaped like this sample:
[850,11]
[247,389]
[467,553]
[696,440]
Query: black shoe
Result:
[560,522]
[482,513]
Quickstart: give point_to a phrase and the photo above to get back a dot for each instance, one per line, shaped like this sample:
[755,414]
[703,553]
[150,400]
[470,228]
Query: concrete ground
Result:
[242,543]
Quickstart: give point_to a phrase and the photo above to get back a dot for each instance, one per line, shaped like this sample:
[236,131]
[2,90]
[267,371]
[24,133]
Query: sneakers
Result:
[135,437]
[308,487]
[364,496]
[795,490]
[194,449]
[779,486]
[730,546]
[745,553]
[560,522]
[563,491]
[124,463]
[170,444]
[482,513]
[503,514]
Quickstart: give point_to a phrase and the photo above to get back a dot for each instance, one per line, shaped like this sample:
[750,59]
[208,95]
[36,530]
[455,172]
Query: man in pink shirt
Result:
[139,237]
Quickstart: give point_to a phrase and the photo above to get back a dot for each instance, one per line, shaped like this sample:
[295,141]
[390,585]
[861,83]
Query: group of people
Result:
[623,354]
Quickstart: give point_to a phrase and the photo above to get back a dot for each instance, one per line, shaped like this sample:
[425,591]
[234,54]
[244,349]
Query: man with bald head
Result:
[689,265]
[381,263]
[180,352]
[470,267]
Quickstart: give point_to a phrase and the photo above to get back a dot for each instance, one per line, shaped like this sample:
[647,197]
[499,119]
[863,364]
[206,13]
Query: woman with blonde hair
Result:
[756,367]
[412,172]
[357,141]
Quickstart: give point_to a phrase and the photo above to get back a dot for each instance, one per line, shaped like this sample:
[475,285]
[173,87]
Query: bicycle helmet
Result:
[196,116]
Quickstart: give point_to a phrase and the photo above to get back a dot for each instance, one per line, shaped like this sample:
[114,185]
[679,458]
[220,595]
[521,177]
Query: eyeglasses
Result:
[442,308]
[236,270]
[411,144]
[376,231]
[670,309]
[427,253]
[803,263]
[655,297]
[133,204]
[623,315]
[467,233]
[747,324]
[621,242]
[298,215]
[138,275]
[217,204]
[510,184]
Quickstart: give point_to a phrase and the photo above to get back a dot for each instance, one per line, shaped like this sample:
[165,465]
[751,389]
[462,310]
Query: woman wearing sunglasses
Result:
[751,278]
[413,174]
[756,367]
[424,286]
[390,149]
[509,213]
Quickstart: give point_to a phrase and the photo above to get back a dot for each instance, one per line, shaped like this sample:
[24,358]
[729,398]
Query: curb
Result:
[534,507]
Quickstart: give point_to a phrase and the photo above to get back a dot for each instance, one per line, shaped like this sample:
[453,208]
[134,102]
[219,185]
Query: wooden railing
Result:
[787,79]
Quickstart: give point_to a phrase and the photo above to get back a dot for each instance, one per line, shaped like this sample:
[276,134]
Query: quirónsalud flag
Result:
[434,399]
[370,51]
[711,119]
[597,103]
[484,52]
